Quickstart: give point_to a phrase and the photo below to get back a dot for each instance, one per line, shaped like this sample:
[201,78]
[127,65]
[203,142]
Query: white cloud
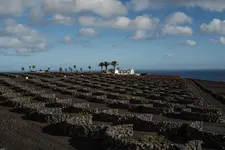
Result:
[9,22]
[60,19]
[139,35]
[67,38]
[11,28]
[222,40]
[139,23]
[22,50]
[176,30]
[212,5]
[215,26]
[105,8]
[178,18]
[215,5]
[173,25]
[140,5]
[87,32]
[15,7]
[36,14]
[213,41]
[21,38]
[11,7]
[25,42]
[191,43]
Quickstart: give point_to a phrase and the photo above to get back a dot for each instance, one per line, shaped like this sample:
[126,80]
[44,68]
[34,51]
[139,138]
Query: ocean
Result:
[213,75]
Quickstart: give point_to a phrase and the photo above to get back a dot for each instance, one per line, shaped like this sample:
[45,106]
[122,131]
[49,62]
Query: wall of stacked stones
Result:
[114,136]
[192,113]
[139,105]
[166,108]
[219,97]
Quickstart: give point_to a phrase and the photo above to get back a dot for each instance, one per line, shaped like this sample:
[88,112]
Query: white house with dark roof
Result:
[125,71]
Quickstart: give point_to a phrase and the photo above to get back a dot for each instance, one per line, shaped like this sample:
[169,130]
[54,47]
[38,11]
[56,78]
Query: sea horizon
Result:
[202,74]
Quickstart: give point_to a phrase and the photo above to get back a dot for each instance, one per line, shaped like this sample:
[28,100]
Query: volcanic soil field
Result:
[93,111]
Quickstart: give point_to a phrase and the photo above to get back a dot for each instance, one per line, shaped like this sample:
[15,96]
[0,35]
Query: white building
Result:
[42,71]
[125,71]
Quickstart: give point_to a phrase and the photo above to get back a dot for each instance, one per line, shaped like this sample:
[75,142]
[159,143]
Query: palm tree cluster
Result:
[106,64]
[70,69]
[33,69]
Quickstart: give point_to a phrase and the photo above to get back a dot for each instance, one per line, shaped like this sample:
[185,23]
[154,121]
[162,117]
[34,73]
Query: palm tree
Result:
[33,67]
[106,64]
[114,64]
[101,64]
[30,68]
[48,69]
[22,68]
[70,69]
[60,69]
[81,69]
[66,69]
[75,67]
[89,67]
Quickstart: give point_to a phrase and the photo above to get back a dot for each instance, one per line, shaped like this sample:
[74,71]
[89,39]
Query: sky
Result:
[140,34]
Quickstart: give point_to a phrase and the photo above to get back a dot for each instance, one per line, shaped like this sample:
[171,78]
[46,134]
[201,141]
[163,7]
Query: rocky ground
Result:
[94,111]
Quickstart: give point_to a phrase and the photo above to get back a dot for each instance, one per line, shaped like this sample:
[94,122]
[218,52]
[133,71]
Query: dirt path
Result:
[16,133]
[208,98]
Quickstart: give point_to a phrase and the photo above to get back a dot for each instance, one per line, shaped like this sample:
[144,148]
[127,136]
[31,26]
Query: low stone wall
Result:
[194,130]
[117,138]
[30,107]
[155,97]
[148,108]
[17,102]
[61,103]
[118,96]
[120,104]
[192,145]
[142,108]
[207,116]
[203,109]
[98,99]
[185,101]
[46,98]
[82,126]
[214,94]
[109,115]
[50,115]
[79,107]
[138,101]
[99,93]
[114,134]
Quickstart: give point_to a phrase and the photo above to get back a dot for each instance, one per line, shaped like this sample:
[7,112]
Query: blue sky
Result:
[140,34]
